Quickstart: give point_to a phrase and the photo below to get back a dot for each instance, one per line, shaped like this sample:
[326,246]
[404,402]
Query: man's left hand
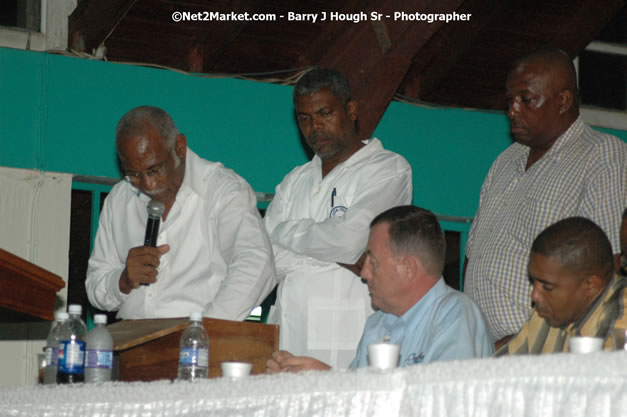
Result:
[284,361]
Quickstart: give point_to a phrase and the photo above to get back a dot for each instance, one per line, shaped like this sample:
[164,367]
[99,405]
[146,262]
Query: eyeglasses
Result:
[157,172]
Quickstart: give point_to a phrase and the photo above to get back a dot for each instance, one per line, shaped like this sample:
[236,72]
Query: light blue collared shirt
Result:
[443,325]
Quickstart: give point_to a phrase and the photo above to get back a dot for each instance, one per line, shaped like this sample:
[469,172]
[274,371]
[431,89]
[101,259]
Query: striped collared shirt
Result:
[606,314]
[583,174]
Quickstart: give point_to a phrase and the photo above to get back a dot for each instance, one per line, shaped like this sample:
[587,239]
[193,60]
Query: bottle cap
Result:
[75,309]
[100,319]
[57,313]
[195,316]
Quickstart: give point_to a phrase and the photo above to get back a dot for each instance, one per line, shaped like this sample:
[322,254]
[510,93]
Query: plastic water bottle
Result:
[194,354]
[71,364]
[52,347]
[99,360]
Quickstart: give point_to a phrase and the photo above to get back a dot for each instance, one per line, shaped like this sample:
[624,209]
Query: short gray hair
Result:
[134,122]
[321,78]
[415,231]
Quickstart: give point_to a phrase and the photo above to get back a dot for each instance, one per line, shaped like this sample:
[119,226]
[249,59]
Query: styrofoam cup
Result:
[383,355]
[236,369]
[585,344]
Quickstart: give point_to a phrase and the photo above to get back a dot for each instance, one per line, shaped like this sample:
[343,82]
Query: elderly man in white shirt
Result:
[212,253]
[318,222]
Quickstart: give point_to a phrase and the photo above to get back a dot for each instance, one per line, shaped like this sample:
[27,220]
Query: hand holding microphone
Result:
[142,261]
[155,209]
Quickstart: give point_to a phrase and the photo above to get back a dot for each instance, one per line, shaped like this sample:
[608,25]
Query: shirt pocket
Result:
[539,209]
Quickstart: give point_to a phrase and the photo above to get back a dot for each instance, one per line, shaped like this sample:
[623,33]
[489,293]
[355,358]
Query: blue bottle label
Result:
[194,357]
[99,358]
[71,356]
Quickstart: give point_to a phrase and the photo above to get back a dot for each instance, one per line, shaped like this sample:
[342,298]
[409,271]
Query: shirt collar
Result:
[417,309]
[372,146]
[193,179]
[412,315]
[607,292]
[564,140]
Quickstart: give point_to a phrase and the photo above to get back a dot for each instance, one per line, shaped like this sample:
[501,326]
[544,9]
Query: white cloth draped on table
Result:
[562,385]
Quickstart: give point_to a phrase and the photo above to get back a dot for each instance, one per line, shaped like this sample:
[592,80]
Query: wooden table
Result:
[149,349]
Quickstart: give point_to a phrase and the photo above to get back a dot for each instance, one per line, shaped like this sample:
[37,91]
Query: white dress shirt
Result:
[220,258]
[315,222]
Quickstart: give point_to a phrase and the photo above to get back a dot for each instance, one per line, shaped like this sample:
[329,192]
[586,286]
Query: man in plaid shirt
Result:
[575,290]
[558,167]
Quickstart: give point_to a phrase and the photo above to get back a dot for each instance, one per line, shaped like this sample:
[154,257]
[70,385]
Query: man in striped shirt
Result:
[575,289]
[558,167]
[623,245]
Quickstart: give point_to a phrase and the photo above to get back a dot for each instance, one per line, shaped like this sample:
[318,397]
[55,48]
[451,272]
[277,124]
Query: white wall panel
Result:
[35,225]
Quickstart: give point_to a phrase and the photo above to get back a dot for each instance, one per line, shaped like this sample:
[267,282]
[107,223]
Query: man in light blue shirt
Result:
[444,325]
[416,309]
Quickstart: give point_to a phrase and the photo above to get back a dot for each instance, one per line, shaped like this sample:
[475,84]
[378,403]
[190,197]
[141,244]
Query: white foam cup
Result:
[236,369]
[585,344]
[383,355]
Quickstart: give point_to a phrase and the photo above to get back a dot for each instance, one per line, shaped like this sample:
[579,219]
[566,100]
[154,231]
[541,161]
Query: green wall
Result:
[20,107]
[59,114]
[450,151]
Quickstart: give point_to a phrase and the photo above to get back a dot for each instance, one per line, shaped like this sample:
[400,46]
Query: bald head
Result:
[542,100]
[559,69]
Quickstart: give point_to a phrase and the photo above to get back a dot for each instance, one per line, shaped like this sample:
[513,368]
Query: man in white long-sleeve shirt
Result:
[212,253]
[319,219]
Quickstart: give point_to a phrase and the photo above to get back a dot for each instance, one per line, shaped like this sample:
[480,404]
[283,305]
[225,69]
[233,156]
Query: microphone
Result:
[155,210]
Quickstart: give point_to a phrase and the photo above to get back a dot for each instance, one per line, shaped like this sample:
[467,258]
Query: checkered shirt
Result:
[583,174]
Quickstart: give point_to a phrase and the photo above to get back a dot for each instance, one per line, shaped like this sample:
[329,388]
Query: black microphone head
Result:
[155,208]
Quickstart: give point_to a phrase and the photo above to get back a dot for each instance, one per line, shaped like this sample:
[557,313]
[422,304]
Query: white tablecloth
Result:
[552,385]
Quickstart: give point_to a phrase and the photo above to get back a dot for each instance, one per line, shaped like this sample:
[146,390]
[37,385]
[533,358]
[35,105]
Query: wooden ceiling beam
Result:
[375,56]
[93,20]
[329,34]
[436,59]
[589,17]
[477,79]
[216,37]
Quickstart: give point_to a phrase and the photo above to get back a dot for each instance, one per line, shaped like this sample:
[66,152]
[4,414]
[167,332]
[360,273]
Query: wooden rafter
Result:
[375,70]
[435,60]
[93,20]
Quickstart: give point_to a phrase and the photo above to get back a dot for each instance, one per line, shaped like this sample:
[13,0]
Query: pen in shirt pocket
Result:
[333,194]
